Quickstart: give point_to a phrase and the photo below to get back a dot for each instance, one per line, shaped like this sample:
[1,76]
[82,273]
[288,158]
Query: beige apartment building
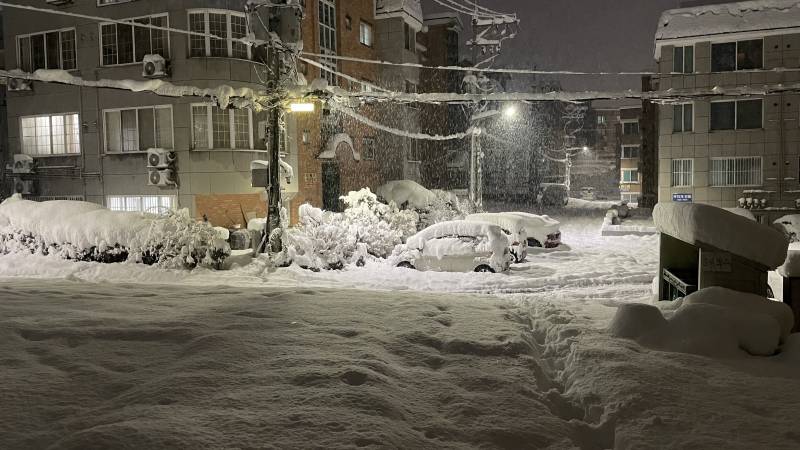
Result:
[721,149]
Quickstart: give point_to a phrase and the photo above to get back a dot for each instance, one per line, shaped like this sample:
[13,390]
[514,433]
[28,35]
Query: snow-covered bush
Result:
[445,207]
[84,231]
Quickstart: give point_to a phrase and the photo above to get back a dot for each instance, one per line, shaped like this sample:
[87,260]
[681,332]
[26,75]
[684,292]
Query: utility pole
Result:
[274,194]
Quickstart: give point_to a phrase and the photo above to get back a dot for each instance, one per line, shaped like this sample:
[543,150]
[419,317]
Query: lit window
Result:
[739,171]
[682,172]
[737,115]
[46,135]
[138,129]
[630,176]
[126,44]
[222,128]
[152,204]
[48,50]
[228,27]
[365,34]
[683,118]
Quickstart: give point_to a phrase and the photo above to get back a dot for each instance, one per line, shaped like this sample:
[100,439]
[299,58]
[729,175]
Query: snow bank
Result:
[590,205]
[87,231]
[698,223]
[791,267]
[713,322]
[790,226]
[406,192]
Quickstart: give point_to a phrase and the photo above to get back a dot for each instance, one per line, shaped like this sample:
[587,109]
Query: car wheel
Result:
[406,265]
[484,269]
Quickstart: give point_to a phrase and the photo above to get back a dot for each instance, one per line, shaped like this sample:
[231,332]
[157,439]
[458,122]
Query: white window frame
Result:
[622,176]
[683,117]
[735,184]
[627,121]
[736,115]
[131,19]
[736,62]
[367,39]
[679,176]
[51,154]
[329,72]
[368,142]
[210,127]
[636,146]
[207,23]
[165,203]
[683,50]
[20,37]
[630,197]
[137,108]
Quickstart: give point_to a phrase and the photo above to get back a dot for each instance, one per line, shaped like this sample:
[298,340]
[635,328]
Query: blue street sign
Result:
[682,198]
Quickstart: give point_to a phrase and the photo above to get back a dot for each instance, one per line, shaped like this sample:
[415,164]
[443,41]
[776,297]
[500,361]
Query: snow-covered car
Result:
[456,246]
[542,231]
[512,226]
[789,225]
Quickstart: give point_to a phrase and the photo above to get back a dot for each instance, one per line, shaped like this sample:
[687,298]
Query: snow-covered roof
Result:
[411,9]
[724,20]
[705,224]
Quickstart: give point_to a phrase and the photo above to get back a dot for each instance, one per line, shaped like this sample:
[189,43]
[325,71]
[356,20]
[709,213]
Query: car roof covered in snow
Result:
[509,222]
[537,220]
[457,228]
[723,20]
[695,224]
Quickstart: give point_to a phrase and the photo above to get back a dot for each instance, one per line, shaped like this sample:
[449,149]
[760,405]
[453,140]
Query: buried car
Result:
[512,226]
[456,246]
[542,231]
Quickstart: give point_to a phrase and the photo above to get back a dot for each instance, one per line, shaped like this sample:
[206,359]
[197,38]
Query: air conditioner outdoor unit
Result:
[161,177]
[18,84]
[158,158]
[154,66]
[23,164]
[24,187]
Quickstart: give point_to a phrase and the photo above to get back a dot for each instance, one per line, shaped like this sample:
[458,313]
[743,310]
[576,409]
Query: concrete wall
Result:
[778,142]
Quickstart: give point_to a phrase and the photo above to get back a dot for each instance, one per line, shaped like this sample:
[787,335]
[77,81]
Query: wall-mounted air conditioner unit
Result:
[159,158]
[23,164]
[18,84]
[161,177]
[154,66]
[24,187]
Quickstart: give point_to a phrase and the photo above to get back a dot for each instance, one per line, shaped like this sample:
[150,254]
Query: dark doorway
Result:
[330,187]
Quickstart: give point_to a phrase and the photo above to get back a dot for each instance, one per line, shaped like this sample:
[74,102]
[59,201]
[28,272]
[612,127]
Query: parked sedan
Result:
[457,246]
[542,231]
[514,229]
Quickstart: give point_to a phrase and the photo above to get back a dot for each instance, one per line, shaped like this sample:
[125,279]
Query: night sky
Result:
[582,35]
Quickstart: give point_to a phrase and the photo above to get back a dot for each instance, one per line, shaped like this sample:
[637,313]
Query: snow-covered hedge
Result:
[433,206]
[89,232]
[327,240]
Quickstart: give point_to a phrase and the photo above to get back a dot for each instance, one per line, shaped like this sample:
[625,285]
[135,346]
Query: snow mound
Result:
[713,322]
[791,267]
[702,224]
[406,192]
[88,231]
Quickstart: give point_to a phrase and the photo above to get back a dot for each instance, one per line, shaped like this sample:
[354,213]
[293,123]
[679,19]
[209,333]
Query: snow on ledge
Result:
[705,224]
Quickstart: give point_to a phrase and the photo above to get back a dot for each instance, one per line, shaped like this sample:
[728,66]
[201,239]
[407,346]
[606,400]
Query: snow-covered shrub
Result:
[84,231]
[322,240]
[445,207]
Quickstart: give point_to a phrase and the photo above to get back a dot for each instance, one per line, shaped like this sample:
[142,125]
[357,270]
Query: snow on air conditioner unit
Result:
[24,187]
[18,84]
[23,164]
[158,158]
[161,177]
[154,66]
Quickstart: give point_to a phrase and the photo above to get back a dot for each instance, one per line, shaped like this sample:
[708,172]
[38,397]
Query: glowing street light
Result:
[301,107]
[510,112]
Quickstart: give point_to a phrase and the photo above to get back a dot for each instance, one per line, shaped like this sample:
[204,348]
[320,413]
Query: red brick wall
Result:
[230,210]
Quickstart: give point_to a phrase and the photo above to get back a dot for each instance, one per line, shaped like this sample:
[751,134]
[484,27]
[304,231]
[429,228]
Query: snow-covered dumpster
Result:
[703,246]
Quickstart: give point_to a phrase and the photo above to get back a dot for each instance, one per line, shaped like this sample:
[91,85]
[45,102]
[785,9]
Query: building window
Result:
[413,151]
[365,34]
[152,204]
[127,44]
[227,25]
[630,128]
[736,172]
[47,50]
[368,149]
[327,40]
[57,134]
[682,172]
[215,128]
[741,55]
[630,198]
[630,176]
[630,152]
[601,120]
[410,37]
[138,129]
[683,118]
[737,115]
[683,60]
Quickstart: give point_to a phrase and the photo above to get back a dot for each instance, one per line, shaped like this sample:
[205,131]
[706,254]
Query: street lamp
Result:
[510,112]
[301,107]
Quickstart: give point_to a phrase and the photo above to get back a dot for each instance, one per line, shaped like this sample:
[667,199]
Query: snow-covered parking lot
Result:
[109,356]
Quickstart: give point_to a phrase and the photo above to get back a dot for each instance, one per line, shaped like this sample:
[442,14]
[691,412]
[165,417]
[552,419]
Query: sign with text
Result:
[682,198]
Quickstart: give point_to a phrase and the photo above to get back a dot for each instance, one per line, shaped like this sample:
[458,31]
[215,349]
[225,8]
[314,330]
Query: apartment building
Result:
[720,149]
